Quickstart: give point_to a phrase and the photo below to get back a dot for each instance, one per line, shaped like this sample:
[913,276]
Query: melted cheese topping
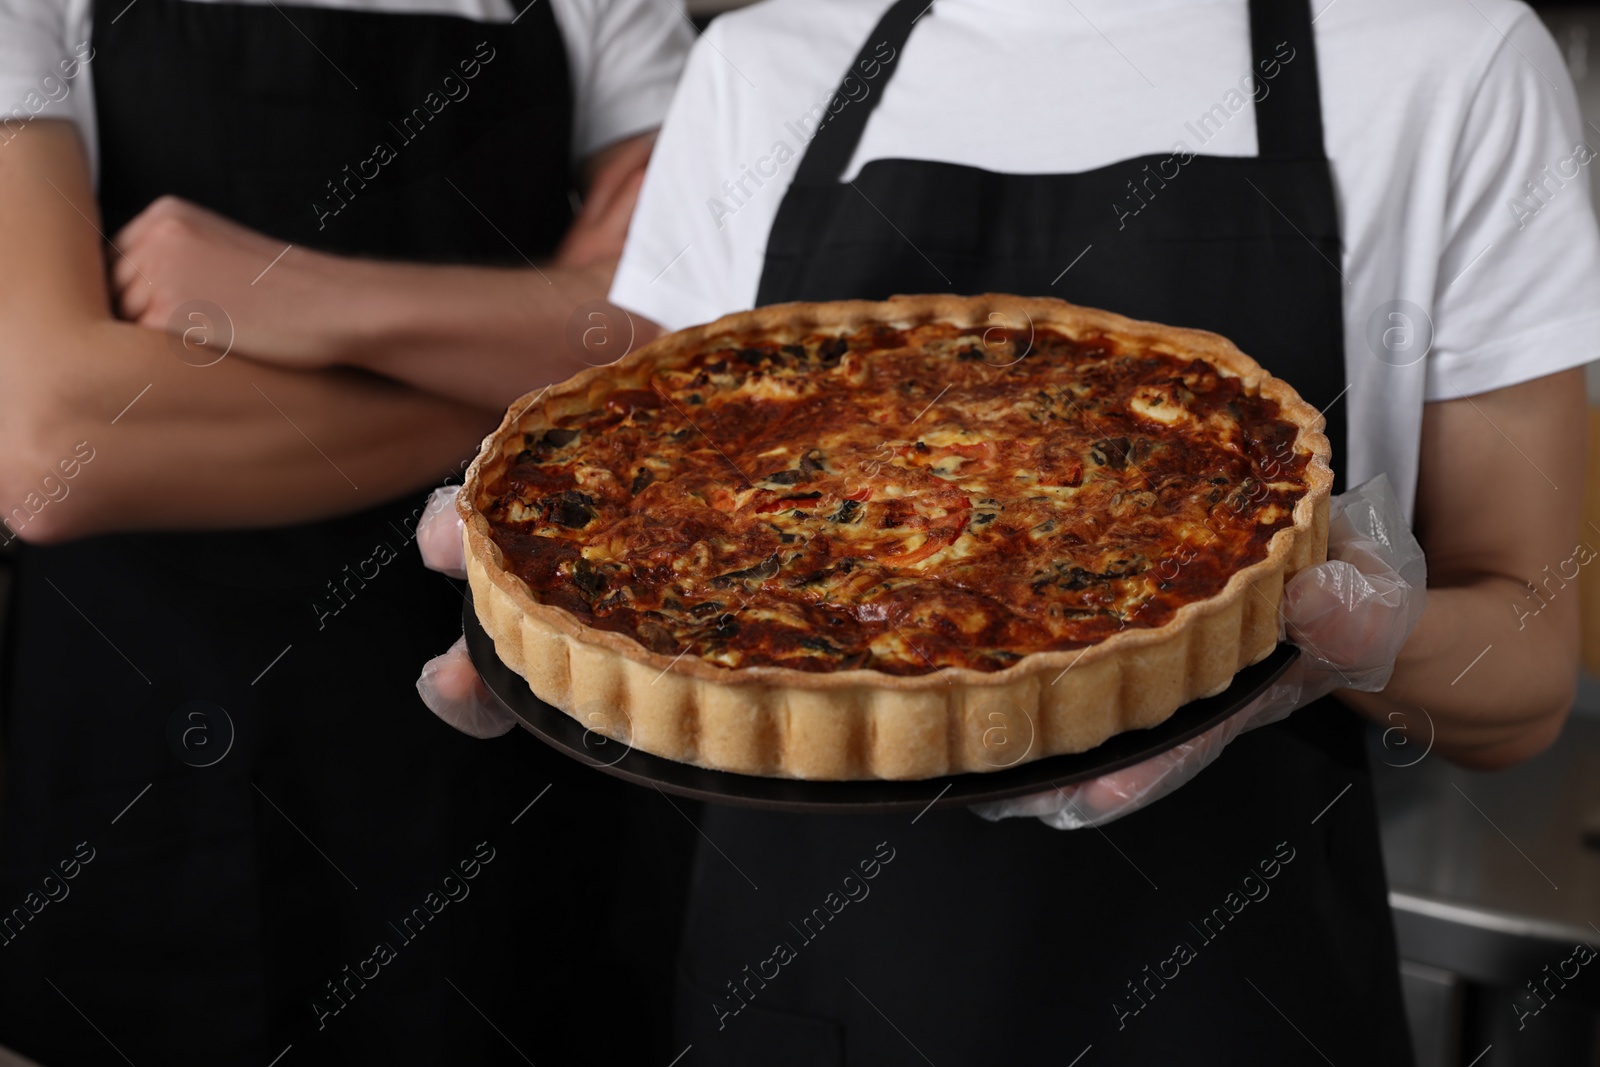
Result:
[899,500]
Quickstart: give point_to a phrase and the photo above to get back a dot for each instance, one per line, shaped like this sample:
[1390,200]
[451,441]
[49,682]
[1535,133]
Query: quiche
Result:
[901,539]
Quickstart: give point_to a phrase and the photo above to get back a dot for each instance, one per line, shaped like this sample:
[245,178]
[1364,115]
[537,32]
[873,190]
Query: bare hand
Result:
[596,235]
[175,253]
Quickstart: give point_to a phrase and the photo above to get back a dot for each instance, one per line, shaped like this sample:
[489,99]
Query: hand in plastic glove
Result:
[449,684]
[1349,616]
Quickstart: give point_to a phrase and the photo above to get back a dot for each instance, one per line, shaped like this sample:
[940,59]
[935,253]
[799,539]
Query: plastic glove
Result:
[449,684]
[1350,616]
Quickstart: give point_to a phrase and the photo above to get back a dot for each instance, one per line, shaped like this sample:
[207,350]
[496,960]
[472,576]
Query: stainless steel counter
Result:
[1497,899]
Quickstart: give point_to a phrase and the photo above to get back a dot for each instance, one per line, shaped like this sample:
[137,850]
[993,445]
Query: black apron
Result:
[235,897]
[1204,929]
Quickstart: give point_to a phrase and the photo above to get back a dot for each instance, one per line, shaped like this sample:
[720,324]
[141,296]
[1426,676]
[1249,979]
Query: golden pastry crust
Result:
[864,723]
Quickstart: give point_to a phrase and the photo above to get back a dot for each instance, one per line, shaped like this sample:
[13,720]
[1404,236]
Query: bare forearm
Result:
[1495,682]
[1498,507]
[481,335]
[174,445]
[178,446]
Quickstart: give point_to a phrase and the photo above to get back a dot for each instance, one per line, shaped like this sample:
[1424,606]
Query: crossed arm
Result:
[251,442]
[481,335]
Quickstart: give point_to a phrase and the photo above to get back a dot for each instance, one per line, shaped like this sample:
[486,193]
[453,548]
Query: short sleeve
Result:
[1519,276]
[626,56]
[689,257]
[41,64]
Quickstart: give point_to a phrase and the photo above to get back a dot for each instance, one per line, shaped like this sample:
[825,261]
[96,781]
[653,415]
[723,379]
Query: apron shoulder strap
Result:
[1289,117]
[837,136]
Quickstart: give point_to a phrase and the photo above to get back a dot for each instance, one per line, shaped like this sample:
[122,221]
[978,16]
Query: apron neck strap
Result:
[1288,118]
[837,135]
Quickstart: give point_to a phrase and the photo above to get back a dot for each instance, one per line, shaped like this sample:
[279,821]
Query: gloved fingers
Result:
[1351,620]
[1353,613]
[1119,789]
[1350,625]
[1111,796]
[451,688]
[1371,513]
[1305,680]
[439,534]
[1033,805]
[1350,615]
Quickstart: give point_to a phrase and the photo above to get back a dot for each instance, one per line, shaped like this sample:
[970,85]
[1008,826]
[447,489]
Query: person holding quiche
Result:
[1333,188]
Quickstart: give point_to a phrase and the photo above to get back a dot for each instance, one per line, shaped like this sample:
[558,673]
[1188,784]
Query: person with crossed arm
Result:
[366,225]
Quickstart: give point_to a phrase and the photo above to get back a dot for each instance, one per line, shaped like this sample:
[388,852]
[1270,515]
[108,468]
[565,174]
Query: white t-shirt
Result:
[625,57]
[1438,117]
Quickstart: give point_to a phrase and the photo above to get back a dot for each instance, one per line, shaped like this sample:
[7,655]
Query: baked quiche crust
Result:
[866,723]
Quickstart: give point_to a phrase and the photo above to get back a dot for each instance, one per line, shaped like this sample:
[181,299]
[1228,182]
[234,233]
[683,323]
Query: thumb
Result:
[451,688]
[1351,619]
[439,534]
